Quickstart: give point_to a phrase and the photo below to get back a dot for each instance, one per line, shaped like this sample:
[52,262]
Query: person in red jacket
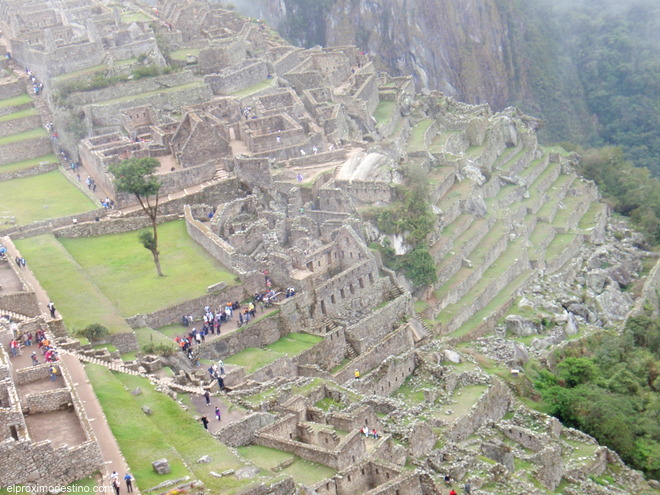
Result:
[453,492]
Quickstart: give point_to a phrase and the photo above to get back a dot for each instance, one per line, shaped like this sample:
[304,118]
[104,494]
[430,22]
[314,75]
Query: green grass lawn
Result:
[15,101]
[124,270]
[302,471]
[40,197]
[152,92]
[129,17]
[183,53]
[75,296]
[416,142]
[169,432]
[28,112]
[32,162]
[384,111]
[260,86]
[254,358]
[23,136]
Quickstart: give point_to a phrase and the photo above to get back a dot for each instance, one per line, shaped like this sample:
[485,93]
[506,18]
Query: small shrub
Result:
[94,332]
[160,349]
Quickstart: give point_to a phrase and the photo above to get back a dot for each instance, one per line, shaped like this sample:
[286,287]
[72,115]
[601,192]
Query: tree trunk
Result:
[157,262]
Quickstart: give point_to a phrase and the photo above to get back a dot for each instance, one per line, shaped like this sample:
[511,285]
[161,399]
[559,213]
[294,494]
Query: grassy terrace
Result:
[169,433]
[416,141]
[551,168]
[264,395]
[76,297]
[541,232]
[440,141]
[23,136]
[549,206]
[302,471]
[532,166]
[588,220]
[254,358]
[504,157]
[183,53]
[153,92]
[124,271]
[469,395]
[32,162]
[460,190]
[15,101]
[460,242]
[571,204]
[498,267]
[129,17]
[91,70]
[41,197]
[496,303]
[558,245]
[509,163]
[28,112]
[385,111]
[255,88]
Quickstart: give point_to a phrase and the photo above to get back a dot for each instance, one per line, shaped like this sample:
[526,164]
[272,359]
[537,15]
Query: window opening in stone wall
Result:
[332,299]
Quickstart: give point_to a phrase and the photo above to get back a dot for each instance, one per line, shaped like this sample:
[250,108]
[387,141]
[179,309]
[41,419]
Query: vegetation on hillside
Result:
[629,190]
[608,387]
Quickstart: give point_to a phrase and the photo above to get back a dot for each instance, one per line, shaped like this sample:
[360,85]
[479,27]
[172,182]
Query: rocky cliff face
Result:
[494,51]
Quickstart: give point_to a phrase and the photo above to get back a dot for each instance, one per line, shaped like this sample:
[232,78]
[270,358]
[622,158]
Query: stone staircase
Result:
[17,317]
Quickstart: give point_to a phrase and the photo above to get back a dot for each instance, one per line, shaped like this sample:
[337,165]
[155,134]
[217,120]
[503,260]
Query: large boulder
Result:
[161,466]
[522,327]
[614,304]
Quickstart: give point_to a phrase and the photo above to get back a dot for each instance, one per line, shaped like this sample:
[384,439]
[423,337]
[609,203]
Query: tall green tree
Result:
[136,176]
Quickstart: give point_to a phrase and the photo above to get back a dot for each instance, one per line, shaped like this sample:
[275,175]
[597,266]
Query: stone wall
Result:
[259,334]
[25,149]
[241,432]
[173,314]
[388,377]
[47,226]
[15,126]
[205,237]
[34,373]
[48,401]
[125,341]
[372,329]
[109,226]
[42,168]
[10,88]
[394,344]
[491,406]
[327,354]
[234,79]
[23,303]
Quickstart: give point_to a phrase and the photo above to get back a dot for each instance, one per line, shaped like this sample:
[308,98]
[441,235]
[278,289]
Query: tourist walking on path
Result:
[207,396]
[52,309]
[129,483]
[217,413]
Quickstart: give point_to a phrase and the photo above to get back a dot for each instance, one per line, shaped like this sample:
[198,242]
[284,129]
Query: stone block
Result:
[161,466]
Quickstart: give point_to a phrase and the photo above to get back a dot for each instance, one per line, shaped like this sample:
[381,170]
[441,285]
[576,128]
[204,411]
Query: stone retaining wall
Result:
[326,354]
[388,377]
[34,373]
[22,124]
[491,406]
[48,401]
[25,149]
[372,329]
[241,432]
[42,168]
[47,226]
[109,226]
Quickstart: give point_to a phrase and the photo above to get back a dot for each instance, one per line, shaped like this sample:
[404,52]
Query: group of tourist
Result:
[467,487]
[37,86]
[116,484]
[20,262]
[370,433]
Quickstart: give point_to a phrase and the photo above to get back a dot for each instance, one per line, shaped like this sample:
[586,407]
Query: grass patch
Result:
[125,272]
[183,53]
[153,92]
[302,471]
[28,112]
[16,101]
[420,306]
[76,297]
[407,392]
[254,358]
[384,111]
[32,162]
[41,197]
[134,17]
[255,88]
[24,136]
[169,433]
[416,141]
